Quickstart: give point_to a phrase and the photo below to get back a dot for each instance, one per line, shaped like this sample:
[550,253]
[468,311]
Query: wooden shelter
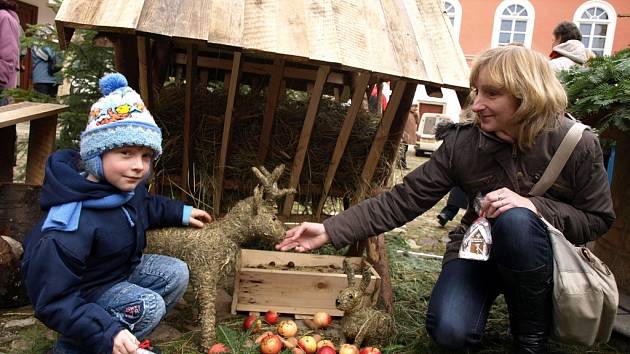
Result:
[319,46]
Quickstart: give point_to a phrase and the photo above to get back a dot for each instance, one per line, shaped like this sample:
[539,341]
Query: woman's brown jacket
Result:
[579,202]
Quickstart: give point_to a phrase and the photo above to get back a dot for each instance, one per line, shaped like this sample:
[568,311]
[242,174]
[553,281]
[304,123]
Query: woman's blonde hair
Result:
[526,75]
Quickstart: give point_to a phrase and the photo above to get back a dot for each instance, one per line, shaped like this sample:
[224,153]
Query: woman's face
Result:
[495,107]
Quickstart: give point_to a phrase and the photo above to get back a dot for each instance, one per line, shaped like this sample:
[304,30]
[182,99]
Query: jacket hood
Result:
[572,49]
[64,182]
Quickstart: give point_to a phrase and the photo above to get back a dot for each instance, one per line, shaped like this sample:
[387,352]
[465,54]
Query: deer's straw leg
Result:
[206,295]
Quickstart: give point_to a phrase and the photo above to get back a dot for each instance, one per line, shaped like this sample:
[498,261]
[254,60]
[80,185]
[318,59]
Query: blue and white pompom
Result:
[112,82]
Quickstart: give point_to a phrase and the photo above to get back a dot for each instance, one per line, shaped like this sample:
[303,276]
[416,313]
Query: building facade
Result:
[484,24]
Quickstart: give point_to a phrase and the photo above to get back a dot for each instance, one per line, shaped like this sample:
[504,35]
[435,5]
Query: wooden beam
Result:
[8,137]
[126,59]
[144,68]
[273,93]
[433,91]
[400,119]
[342,139]
[307,129]
[41,143]
[227,131]
[203,77]
[379,139]
[191,70]
[463,96]
[263,69]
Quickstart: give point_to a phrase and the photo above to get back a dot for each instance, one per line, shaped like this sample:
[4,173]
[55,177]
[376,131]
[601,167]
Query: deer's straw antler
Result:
[269,182]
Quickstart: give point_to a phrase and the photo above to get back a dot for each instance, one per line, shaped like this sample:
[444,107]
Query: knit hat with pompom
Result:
[117,119]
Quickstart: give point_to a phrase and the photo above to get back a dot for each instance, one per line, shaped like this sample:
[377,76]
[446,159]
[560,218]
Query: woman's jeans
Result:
[139,303]
[520,266]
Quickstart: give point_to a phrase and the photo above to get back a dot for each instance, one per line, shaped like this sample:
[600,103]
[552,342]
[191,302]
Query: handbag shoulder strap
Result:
[558,160]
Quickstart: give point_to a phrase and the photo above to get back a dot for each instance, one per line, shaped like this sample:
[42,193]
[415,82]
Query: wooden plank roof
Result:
[405,38]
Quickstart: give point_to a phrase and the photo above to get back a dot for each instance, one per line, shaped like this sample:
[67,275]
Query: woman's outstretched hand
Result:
[501,200]
[304,237]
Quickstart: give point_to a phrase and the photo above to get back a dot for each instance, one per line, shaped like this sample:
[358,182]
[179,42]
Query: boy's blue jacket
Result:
[66,272]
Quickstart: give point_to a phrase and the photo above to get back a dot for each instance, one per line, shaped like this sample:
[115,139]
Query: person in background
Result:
[519,122]
[409,136]
[9,47]
[45,65]
[568,49]
[83,265]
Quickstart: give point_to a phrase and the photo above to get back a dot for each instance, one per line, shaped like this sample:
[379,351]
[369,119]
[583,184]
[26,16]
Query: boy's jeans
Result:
[156,284]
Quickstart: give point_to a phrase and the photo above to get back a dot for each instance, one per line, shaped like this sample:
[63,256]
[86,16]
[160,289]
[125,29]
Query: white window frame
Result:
[457,20]
[498,16]
[611,22]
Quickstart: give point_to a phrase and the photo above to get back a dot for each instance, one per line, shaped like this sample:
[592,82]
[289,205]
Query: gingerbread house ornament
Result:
[477,241]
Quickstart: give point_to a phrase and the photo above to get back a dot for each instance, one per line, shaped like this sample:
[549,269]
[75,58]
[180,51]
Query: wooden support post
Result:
[191,69]
[433,91]
[144,68]
[463,98]
[342,139]
[179,72]
[126,60]
[379,140]
[273,93]
[161,49]
[41,143]
[226,81]
[203,77]
[400,119]
[8,137]
[307,129]
[227,131]
[376,254]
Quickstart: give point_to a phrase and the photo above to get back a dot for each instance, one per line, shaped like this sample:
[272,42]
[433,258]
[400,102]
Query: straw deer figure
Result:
[210,252]
[361,323]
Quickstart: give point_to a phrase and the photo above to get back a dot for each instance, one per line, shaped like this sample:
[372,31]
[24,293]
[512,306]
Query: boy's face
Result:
[126,167]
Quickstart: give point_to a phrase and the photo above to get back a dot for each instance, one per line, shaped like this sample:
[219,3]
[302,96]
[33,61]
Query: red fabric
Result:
[554,55]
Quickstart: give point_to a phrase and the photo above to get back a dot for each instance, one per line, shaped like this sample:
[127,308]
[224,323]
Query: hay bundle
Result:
[207,128]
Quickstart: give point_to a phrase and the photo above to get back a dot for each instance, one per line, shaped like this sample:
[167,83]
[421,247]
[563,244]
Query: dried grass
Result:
[207,126]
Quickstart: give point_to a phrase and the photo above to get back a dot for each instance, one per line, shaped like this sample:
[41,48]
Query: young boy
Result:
[83,264]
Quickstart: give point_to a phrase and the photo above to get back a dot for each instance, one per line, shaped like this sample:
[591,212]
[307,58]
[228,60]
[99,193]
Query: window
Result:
[513,22]
[453,9]
[596,20]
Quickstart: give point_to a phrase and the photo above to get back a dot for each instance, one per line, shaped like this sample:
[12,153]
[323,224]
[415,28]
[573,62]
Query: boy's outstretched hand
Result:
[304,237]
[198,217]
[125,343]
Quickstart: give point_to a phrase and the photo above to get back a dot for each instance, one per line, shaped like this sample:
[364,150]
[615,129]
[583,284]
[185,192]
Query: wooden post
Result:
[400,119]
[126,60]
[191,71]
[144,69]
[41,143]
[307,129]
[227,132]
[8,138]
[463,98]
[342,139]
[273,93]
[379,140]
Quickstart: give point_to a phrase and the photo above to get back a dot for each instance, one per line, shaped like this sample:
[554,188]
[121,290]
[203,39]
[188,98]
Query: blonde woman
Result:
[519,123]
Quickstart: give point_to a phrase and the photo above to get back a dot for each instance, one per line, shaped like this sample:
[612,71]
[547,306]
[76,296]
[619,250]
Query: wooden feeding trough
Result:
[328,49]
[294,283]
